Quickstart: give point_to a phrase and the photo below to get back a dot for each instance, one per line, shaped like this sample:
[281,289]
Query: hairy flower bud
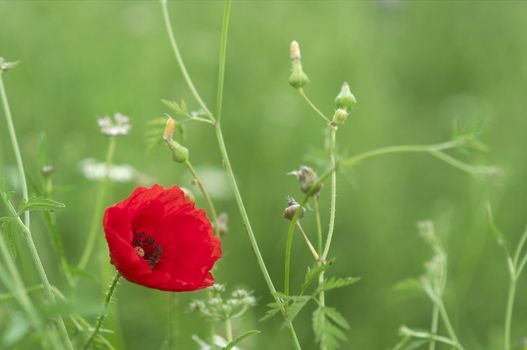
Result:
[345,98]
[298,78]
[307,178]
[179,153]
[292,207]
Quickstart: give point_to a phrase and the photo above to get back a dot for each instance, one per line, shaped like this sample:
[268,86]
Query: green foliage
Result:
[40,203]
[329,326]
[240,338]
[313,273]
[334,283]
[8,226]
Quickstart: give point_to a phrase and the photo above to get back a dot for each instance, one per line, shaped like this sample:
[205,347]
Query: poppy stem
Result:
[203,191]
[102,316]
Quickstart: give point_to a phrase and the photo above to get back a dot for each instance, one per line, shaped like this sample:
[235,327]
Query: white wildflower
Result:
[120,125]
[94,170]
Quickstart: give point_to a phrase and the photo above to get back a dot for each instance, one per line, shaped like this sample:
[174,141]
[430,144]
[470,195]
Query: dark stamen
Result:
[147,248]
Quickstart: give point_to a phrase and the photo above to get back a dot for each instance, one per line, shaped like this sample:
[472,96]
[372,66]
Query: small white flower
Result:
[94,170]
[120,125]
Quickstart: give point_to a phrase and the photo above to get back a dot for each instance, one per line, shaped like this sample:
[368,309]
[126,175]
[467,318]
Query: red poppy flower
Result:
[158,239]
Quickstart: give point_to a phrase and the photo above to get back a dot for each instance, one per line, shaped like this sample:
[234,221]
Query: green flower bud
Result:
[179,153]
[298,78]
[340,116]
[345,98]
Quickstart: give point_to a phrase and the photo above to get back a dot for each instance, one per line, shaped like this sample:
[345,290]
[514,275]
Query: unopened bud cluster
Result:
[298,78]
[344,102]
[179,152]
[307,178]
[218,308]
[118,126]
[292,207]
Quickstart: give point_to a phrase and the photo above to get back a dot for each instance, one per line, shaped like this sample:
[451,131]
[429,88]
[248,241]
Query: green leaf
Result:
[239,339]
[327,326]
[409,284]
[40,203]
[179,109]
[334,283]
[295,308]
[274,309]
[7,228]
[313,273]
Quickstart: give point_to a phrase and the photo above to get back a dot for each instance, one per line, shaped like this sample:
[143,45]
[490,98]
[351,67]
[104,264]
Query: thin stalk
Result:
[38,264]
[16,148]
[223,57]
[433,327]
[403,149]
[448,324]
[99,202]
[102,316]
[59,248]
[10,296]
[179,59]
[508,313]
[432,337]
[333,202]
[248,228]
[312,105]
[228,329]
[320,242]
[205,194]
[308,242]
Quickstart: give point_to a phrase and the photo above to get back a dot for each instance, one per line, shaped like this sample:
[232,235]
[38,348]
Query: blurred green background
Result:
[414,68]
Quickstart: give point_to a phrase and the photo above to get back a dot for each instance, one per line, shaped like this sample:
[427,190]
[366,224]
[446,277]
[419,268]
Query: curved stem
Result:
[333,203]
[102,316]
[248,227]
[448,325]
[312,105]
[180,62]
[308,242]
[223,56]
[16,148]
[320,242]
[205,194]
[508,314]
[99,202]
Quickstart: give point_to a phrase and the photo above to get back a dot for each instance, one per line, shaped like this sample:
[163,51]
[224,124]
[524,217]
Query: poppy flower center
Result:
[146,248]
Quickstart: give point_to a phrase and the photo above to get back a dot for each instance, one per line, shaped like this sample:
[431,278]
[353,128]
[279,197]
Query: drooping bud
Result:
[292,207]
[5,66]
[340,116]
[345,98]
[307,178]
[298,78]
[179,152]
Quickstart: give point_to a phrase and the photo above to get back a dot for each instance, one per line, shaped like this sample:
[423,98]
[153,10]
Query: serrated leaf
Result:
[274,309]
[294,309]
[334,283]
[333,314]
[240,338]
[313,273]
[179,109]
[40,203]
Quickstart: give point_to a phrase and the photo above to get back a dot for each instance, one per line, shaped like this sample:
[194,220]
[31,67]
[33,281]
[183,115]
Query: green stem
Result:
[320,242]
[248,228]
[508,313]
[38,264]
[179,59]
[333,202]
[228,329]
[205,194]
[223,57]
[59,248]
[448,324]
[309,244]
[102,316]
[434,327]
[10,296]
[402,149]
[310,103]
[432,337]
[99,202]
[16,148]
